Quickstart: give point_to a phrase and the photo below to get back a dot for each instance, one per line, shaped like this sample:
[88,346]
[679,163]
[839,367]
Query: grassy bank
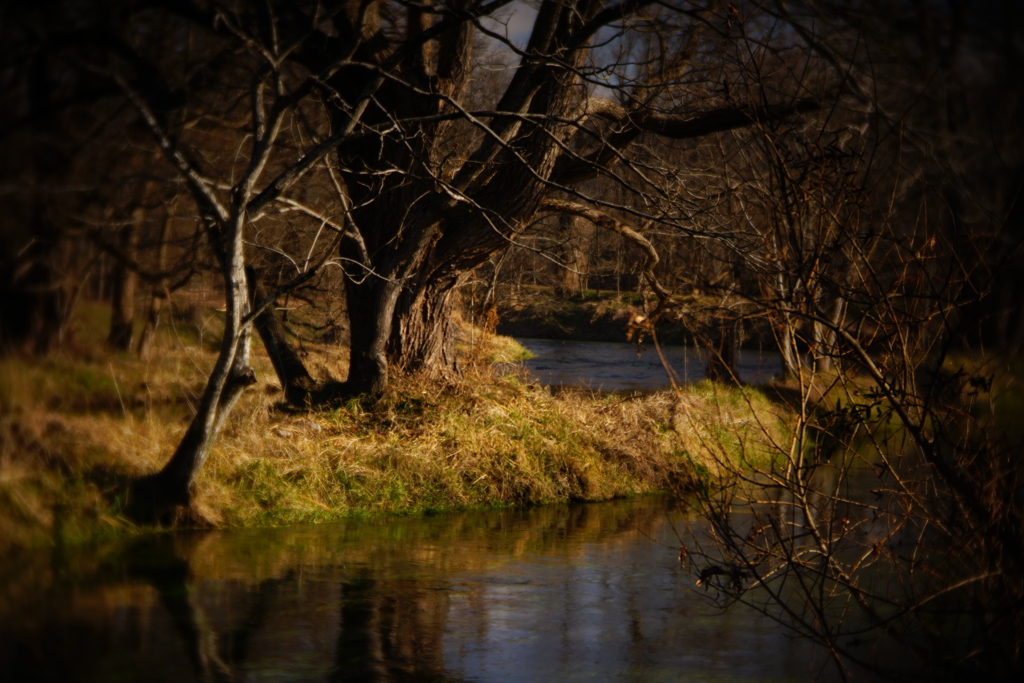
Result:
[76,427]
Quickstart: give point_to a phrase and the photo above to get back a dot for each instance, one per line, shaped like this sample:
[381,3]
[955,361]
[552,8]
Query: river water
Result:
[611,366]
[557,593]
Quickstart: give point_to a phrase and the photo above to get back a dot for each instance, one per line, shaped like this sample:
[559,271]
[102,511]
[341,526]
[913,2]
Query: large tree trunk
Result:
[423,333]
[371,307]
[460,211]
[122,306]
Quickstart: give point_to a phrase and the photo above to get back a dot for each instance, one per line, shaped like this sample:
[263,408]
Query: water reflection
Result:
[554,593]
[610,366]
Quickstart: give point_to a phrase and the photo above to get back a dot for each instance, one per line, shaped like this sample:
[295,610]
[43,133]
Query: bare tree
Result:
[293,126]
[429,213]
[886,523]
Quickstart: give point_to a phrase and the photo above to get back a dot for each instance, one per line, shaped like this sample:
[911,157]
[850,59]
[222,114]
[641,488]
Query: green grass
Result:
[79,425]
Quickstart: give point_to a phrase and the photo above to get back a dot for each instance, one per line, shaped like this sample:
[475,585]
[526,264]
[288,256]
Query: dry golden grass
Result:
[76,427]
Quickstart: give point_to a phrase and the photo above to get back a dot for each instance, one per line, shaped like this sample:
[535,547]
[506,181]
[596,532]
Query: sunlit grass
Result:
[78,426]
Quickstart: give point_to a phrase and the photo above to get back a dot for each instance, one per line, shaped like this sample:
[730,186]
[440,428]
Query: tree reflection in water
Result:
[548,593]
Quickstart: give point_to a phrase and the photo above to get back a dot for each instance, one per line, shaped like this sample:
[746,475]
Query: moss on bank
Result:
[77,427]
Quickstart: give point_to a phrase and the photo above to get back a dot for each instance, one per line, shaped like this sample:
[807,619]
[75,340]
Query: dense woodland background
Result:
[682,122]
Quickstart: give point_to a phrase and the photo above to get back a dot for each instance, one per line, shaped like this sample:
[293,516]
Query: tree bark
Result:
[572,277]
[825,337]
[122,305]
[787,347]
[157,497]
[295,379]
[423,332]
[371,307]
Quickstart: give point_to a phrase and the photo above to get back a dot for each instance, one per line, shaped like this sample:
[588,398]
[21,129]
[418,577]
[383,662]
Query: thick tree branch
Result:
[603,220]
[632,124]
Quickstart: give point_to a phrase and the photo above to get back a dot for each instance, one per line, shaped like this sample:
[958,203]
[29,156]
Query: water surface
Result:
[558,593]
[612,366]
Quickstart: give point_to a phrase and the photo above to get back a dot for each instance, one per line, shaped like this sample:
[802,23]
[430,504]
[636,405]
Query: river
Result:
[589,592]
[612,366]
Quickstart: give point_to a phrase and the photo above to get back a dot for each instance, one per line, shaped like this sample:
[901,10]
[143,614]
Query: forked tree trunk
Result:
[157,497]
[423,334]
[122,306]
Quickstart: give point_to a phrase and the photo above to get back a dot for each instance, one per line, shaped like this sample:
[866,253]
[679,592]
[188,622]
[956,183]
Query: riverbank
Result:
[76,427]
[535,311]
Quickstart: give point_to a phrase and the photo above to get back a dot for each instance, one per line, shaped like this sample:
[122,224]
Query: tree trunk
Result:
[723,347]
[825,337]
[32,313]
[787,348]
[156,300]
[371,307]
[571,276]
[423,333]
[122,305]
[157,497]
[492,286]
[34,302]
[295,379]
[148,334]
